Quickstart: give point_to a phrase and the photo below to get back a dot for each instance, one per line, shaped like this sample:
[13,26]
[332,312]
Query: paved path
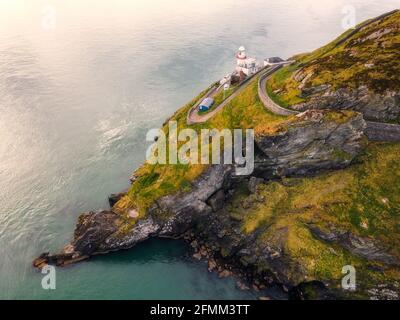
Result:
[193,114]
[264,97]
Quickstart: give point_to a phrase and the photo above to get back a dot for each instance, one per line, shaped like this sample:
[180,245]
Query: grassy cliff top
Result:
[368,55]
[244,112]
[154,181]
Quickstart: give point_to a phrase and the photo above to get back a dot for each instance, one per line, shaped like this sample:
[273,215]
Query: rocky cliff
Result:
[358,71]
[305,144]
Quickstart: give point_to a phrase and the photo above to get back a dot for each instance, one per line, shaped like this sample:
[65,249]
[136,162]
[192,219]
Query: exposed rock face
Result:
[217,200]
[178,212]
[376,107]
[305,92]
[309,145]
[359,246]
[378,131]
[224,236]
[253,183]
[92,231]
[99,232]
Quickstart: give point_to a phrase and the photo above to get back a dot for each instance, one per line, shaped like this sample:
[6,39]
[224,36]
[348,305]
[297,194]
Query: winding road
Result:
[375,131]
[263,94]
[194,116]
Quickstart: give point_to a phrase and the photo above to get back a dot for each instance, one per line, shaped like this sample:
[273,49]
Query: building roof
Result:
[207,102]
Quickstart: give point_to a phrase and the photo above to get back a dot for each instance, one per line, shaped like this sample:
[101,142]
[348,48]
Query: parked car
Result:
[206,104]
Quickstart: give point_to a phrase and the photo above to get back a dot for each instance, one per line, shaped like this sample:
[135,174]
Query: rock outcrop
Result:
[311,143]
[171,216]
[97,233]
[382,107]
[363,247]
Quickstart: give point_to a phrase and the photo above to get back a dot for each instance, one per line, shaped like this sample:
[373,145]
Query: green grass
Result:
[156,181]
[283,88]
[363,199]
[219,97]
[350,61]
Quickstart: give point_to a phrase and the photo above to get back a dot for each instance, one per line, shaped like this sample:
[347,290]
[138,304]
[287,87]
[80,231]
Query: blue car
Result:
[206,104]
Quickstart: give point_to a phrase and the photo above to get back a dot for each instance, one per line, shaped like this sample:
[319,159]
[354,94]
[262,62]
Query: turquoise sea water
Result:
[80,84]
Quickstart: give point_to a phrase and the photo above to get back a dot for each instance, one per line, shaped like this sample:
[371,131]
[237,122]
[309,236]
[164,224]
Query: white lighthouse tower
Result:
[244,64]
[241,56]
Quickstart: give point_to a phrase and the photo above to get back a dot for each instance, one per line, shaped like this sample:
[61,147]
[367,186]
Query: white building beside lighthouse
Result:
[247,65]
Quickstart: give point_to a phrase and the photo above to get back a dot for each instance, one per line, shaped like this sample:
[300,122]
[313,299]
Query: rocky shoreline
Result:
[312,142]
[245,279]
